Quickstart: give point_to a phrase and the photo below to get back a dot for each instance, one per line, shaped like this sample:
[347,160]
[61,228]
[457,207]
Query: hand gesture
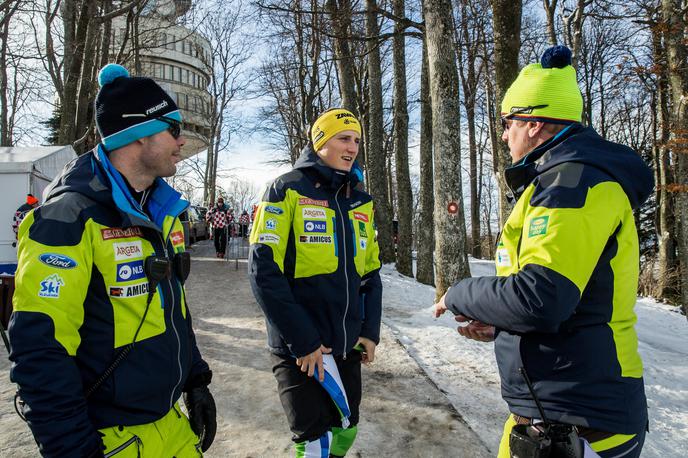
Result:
[475,330]
[368,355]
[309,362]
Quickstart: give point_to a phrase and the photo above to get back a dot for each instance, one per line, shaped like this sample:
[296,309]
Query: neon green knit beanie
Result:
[547,91]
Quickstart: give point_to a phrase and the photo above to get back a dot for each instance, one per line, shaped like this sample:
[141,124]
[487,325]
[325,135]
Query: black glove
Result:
[202,414]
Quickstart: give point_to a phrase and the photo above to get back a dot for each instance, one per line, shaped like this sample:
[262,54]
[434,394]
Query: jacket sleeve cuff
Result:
[198,380]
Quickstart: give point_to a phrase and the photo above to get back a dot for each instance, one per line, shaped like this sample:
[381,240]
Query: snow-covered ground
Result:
[466,370]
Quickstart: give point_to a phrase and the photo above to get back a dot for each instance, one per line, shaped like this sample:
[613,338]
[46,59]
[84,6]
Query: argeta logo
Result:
[50,286]
[314,226]
[128,250]
[314,213]
[130,271]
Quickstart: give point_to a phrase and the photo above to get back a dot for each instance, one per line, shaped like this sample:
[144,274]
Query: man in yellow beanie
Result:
[314,269]
[560,309]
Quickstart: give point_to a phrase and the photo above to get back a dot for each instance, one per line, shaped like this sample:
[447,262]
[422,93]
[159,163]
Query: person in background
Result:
[102,343]
[561,308]
[219,217]
[314,269]
[22,211]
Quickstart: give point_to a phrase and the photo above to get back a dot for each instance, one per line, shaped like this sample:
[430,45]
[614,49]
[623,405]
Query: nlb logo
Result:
[58,260]
[314,213]
[315,226]
[129,250]
[130,271]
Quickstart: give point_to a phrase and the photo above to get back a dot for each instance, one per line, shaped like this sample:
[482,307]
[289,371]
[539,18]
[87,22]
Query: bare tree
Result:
[450,231]
[506,19]
[425,269]
[377,169]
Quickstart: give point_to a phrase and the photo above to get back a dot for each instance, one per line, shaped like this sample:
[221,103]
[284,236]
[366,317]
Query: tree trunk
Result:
[425,245]
[377,173]
[550,9]
[450,231]
[667,286]
[85,93]
[506,19]
[401,120]
[675,20]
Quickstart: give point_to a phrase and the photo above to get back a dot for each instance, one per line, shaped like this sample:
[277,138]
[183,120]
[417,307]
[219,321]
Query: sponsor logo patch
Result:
[130,271]
[317,203]
[503,258]
[274,210]
[58,260]
[271,224]
[538,226]
[362,232]
[129,291]
[50,286]
[157,107]
[355,204]
[127,250]
[363,243]
[119,233]
[268,238]
[177,238]
[314,226]
[314,213]
[361,217]
[315,239]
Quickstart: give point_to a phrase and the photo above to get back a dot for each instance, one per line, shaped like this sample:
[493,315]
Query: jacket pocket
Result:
[130,448]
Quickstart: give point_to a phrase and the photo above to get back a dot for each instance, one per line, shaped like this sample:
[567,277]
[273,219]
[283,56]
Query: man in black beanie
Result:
[102,342]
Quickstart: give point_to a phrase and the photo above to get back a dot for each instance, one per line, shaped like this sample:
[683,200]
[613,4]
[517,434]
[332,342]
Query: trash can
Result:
[6,292]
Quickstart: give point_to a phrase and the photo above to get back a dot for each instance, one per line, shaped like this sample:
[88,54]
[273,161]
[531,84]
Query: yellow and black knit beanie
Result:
[330,124]
[547,91]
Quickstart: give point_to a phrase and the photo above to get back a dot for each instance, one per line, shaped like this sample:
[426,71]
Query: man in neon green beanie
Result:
[560,309]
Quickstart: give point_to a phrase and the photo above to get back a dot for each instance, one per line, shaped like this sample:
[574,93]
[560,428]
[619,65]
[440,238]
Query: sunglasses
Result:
[523,110]
[175,127]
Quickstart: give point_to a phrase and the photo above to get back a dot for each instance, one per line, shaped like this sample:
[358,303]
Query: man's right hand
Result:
[309,362]
[475,330]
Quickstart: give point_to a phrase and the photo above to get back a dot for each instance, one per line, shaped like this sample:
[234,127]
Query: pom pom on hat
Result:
[556,57]
[110,73]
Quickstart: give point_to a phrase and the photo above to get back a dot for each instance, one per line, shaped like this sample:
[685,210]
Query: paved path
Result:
[403,414]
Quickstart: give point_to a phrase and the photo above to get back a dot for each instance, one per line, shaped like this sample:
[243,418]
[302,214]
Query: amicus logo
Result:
[58,260]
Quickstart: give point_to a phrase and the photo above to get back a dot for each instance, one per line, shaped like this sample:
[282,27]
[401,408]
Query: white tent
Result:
[25,170]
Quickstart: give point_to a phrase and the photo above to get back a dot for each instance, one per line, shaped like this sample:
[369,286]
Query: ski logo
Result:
[129,291]
[271,224]
[50,286]
[130,271]
[58,260]
[128,250]
[274,210]
[538,226]
[268,238]
[361,217]
[314,226]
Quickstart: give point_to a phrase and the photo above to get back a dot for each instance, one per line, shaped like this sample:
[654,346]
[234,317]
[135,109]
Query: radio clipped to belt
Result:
[543,440]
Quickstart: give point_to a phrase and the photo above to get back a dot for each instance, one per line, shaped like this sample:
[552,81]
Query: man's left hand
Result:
[476,330]
[368,355]
[440,307]
[202,414]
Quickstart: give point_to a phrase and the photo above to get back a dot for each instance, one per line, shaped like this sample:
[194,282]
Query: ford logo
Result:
[58,260]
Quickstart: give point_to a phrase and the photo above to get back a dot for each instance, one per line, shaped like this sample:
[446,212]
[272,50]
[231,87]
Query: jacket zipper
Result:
[346,275]
[125,445]
[174,328]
